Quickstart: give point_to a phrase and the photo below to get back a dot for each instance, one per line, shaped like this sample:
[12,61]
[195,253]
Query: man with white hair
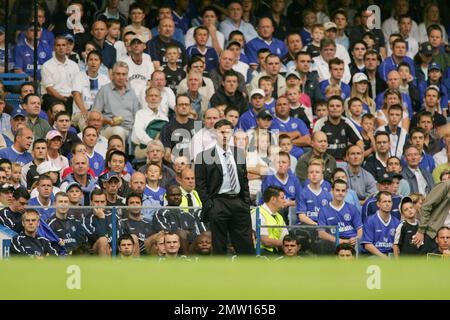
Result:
[118,103]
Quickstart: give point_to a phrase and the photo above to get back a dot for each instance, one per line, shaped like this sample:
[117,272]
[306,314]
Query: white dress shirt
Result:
[59,75]
[323,70]
[226,183]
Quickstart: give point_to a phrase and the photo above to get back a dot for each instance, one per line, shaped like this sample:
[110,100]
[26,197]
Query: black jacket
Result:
[209,177]
[238,100]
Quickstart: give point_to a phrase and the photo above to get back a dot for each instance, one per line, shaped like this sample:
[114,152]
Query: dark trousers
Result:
[231,216]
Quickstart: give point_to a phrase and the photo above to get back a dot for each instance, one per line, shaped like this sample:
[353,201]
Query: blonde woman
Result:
[360,89]
[391,97]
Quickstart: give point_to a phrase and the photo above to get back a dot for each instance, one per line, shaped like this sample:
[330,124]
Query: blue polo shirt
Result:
[306,36]
[292,187]
[389,64]
[292,124]
[47,37]
[247,120]
[346,218]
[108,54]
[211,57]
[370,207]
[276,46]
[12,155]
[24,58]
[344,87]
[182,22]
[379,233]
[311,202]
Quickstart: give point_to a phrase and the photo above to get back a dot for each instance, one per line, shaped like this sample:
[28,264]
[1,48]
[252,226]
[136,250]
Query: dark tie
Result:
[189,199]
[231,174]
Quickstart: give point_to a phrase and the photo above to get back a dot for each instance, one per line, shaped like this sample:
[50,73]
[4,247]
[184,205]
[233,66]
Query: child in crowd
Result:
[113,37]
[368,133]
[16,172]
[298,108]
[173,71]
[265,83]
[286,145]
[153,192]
[406,230]
[355,111]
[318,33]
[321,111]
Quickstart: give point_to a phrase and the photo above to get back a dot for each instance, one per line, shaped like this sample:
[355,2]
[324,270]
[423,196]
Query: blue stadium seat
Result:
[13,79]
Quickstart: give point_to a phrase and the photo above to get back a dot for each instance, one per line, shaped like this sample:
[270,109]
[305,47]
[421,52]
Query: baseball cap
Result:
[47,166]
[330,25]
[433,87]
[257,91]
[395,175]
[137,37]
[18,113]
[233,43]
[404,200]
[434,66]
[6,187]
[385,178]
[426,49]
[293,73]
[71,185]
[53,134]
[265,114]
[110,175]
[69,37]
[359,77]
[2,29]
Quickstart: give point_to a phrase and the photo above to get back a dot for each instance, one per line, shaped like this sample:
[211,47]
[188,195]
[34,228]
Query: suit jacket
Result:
[435,209]
[209,177]
[409,176]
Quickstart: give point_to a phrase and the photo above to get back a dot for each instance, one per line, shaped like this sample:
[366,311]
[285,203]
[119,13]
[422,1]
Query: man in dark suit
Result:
[221,182]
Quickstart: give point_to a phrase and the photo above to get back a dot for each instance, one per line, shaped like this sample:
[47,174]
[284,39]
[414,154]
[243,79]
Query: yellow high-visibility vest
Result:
[271,220]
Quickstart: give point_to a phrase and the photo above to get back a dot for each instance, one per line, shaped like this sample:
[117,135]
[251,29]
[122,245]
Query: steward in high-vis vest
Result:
[271,238]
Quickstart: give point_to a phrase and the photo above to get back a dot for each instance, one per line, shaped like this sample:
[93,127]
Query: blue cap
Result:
[2,29]
[434,66]
[110,175]
[18,113]
[69,37]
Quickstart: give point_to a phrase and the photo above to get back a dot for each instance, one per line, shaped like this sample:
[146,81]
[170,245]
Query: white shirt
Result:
[390,26]
[168,100]
[203,140]
[139,74]
[59,162]
[413,48]
[81,83]
[121,50]
[226,183]
[189,38]
[421,182]
[59,76]
[323,70]
[242,68]
[141,120]
[423,36]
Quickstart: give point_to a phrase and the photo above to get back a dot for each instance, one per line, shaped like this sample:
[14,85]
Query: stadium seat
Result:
[13,79]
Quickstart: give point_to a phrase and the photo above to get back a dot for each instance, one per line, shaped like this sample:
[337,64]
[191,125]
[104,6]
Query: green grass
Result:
[252,279]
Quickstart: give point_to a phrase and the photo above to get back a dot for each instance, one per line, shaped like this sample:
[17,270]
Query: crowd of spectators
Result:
[338,120]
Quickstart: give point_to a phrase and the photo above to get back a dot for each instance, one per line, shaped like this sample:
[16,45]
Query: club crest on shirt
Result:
[324,202]
[347,217]
[42,55]
[343,132]
[392,232]
[292,189]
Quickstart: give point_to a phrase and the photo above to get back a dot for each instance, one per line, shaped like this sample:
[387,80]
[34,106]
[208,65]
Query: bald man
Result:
[190,197]
[393,82]
[99,31]
[319,145]
[156,47]
[226,62]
